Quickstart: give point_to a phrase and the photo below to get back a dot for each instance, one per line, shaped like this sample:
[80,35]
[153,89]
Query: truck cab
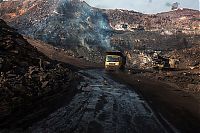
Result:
[115,60]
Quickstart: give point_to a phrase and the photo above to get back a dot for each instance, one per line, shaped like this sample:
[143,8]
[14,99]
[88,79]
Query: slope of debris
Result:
[88,32]
[186,20]
[119,17]
[63,23]
[26,75]
[140,46]
[189,58]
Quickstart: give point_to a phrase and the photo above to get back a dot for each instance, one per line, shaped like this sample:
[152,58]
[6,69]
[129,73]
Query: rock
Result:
[194,88]
[27,74]
[11,75]
[1,62]
[44,84]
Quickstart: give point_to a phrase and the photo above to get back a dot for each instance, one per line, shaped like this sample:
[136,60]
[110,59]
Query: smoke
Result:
[150,1]
[173,4]
[168,4]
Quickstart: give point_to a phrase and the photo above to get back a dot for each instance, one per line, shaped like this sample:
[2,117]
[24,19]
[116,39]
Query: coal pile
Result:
[26,75]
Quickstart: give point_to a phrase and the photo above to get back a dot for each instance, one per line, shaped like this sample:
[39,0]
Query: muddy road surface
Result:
[102,106]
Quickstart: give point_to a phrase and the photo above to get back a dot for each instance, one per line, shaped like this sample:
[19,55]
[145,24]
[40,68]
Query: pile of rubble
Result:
[185,20]
[26,74]
[64,24]
[189,58]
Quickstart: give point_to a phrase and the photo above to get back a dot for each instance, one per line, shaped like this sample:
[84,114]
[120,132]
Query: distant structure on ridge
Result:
[175,6]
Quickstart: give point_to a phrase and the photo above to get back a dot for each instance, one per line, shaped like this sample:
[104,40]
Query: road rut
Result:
[103,106]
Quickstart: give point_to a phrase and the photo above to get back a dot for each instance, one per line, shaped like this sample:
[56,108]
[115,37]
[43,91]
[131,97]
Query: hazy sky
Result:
[144,6]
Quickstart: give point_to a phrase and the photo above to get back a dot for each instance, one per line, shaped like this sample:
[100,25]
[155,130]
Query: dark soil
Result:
[179,107]
[31,84]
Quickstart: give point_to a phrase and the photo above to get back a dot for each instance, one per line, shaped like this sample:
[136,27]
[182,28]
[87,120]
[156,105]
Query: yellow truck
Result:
[115,60]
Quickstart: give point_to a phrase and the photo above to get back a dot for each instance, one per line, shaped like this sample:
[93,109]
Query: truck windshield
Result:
[112,58]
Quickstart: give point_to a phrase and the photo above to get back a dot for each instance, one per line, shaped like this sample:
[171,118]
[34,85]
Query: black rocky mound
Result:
[27,76]
[63,23]
[68,24]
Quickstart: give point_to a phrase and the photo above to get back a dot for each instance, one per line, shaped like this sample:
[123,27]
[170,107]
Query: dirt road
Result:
[103,105]
[167,99]
[60,55]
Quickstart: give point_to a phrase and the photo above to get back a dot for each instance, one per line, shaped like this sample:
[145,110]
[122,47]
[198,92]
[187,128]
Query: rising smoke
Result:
[168,4]
[173,6]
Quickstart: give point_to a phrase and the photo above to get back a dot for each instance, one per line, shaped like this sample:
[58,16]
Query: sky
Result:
[144,6]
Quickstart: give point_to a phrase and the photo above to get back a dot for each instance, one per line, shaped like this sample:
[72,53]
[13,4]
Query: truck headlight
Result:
[117,64]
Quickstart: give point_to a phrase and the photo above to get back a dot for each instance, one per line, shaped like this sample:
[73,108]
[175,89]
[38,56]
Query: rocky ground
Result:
[186,76]
[103,106]
[172,20]
[66,55]
[65,24]
[27,77]
[31,81]
[189,58]
[172,94]
[187,80]
[88,32]
[140,46]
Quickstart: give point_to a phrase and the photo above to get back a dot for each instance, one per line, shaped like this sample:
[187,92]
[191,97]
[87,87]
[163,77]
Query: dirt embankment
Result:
[31,84]
[62,55]
[180,107]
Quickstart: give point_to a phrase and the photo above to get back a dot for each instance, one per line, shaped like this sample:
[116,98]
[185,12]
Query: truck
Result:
[115,60]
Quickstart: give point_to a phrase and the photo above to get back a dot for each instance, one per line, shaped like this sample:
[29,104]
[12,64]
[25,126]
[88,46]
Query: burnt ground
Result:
[102,105]
[62,55]
[31,84]
[167,95]
[25,115]
[168,98]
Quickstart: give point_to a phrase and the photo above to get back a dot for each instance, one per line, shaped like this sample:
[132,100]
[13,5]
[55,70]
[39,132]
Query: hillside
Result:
[52,76]
[177,20]
[62,23]
[88,32]
[28,77]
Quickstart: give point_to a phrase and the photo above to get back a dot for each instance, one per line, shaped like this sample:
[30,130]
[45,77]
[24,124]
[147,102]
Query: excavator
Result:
[115,60]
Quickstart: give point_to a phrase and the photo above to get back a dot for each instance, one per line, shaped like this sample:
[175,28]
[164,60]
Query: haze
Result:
[144,6]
